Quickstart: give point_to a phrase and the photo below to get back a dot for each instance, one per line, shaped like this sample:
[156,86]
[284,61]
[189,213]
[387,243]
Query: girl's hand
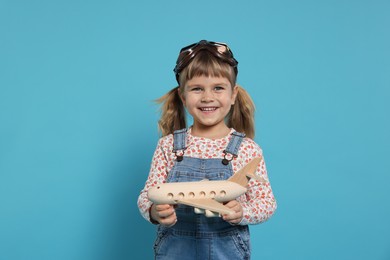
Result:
[235,217]
[164,214]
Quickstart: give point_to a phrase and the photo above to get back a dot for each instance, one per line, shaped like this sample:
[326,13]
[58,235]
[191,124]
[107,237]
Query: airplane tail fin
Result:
[247,172]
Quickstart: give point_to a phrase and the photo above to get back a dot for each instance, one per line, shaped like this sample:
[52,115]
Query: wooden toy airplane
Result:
[206,196]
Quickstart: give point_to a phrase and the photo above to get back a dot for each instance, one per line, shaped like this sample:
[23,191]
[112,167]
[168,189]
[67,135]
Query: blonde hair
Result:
[241,115]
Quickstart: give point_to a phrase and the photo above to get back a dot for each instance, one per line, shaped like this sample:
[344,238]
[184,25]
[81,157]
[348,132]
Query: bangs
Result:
[207,65]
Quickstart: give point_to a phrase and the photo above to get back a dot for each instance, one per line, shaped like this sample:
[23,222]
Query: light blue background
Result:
[78,126]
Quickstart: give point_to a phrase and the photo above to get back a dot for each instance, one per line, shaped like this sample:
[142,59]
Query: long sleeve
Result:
[258,202]
[157,174]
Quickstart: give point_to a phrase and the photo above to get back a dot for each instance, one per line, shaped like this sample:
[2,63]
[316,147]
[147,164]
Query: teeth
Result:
[208,108]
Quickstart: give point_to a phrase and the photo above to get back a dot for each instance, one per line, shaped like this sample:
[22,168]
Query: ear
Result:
[181,95]
[234,94]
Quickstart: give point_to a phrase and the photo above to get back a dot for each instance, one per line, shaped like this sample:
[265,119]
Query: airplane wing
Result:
[209,204]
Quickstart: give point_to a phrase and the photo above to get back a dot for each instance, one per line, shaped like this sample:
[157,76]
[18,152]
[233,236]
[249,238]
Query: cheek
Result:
[188,100]
[190,104]
[229,100]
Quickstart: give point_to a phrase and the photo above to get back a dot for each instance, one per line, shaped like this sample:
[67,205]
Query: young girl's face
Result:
[208,100]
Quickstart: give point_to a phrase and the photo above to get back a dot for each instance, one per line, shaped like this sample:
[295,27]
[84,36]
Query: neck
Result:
[211,133]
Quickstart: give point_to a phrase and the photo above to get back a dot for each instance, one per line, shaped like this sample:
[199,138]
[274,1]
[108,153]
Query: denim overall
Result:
[196,236]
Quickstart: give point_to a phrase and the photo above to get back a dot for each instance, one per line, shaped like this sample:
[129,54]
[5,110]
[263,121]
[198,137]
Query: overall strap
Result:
[179,143]
[179,139]
[231,150]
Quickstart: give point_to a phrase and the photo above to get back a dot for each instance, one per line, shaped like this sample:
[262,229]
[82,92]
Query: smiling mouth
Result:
[208,109]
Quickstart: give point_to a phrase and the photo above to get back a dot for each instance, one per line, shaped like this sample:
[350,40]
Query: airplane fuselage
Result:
[171,193]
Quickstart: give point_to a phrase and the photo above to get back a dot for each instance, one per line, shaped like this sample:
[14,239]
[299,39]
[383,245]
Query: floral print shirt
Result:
[258,202]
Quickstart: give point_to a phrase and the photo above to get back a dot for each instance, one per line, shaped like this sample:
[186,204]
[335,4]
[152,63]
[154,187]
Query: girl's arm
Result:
[258,202]
[157,174]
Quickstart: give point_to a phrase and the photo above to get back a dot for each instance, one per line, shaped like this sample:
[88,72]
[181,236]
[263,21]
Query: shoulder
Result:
[250,148]
[165,142]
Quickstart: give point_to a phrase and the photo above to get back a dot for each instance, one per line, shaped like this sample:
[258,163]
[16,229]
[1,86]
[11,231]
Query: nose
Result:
[207,96]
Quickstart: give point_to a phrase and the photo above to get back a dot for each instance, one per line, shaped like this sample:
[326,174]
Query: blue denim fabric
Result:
[196,236]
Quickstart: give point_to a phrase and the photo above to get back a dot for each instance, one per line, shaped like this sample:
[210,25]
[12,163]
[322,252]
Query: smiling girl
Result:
[218,144]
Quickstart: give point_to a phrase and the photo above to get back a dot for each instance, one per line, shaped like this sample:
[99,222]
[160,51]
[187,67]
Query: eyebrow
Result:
[214,84]
[221,83]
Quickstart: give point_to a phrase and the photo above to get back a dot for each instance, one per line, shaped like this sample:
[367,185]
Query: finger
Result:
[166,213]
[230,217]
[173,223]
[169,221]
[233,220]
[235,217]
[232,204]
[161,207]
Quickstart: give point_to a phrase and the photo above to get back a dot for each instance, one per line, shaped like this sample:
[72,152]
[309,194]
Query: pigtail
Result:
[241,116]
[172,112]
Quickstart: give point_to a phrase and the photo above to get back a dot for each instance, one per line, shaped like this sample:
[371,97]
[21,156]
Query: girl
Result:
[213,148]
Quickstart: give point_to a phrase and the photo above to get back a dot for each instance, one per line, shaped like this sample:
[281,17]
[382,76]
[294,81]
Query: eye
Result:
[196,89]
[218,88]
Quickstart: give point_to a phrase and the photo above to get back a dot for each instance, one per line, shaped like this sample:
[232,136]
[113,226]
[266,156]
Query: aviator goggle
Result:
[218,49]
